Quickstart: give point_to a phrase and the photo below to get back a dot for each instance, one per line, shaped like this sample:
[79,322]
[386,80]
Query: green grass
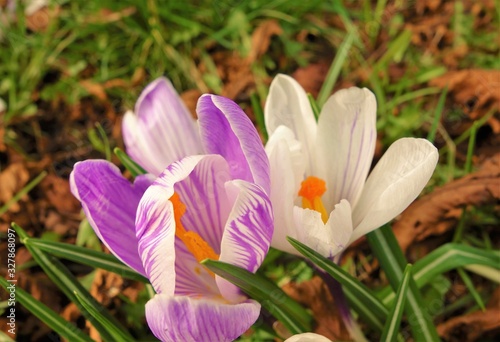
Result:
[173,38]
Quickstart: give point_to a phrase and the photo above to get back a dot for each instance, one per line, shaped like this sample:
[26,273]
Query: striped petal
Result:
[199,182]
[287,105]
[226,130]
[394,183]
[248,231]
[173,319]
[162,130]
[346,143]
[110,203]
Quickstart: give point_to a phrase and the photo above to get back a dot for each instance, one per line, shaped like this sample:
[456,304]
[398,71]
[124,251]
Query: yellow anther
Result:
[195,244]
[311,190]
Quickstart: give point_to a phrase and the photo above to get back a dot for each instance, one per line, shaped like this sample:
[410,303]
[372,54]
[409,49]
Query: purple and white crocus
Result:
[213,205]
[319,187]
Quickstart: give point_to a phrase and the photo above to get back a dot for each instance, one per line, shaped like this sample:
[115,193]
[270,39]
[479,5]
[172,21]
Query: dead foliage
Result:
[439,211]
[315,295]
[476,92]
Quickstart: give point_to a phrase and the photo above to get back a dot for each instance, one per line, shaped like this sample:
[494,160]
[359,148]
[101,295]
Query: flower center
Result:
[195,244]
[311,190]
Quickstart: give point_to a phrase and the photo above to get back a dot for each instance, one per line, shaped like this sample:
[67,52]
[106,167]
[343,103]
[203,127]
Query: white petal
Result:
[346,143]
[285,183]
[307,337]
[396,181]
[288,105]
[307,222]
[333,237]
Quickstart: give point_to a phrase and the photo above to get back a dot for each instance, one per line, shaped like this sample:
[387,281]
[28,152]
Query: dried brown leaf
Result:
[12,179]
[315,295]
[471,326]
[261,38]
[440,210]
[476,91]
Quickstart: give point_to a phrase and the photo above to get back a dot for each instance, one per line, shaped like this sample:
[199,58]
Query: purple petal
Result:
[110,203]
[198,181]
[226,130]
[346,143]
[162,130]
[248,231]
[202,320]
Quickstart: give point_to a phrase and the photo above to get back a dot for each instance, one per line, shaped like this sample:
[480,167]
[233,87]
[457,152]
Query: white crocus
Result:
[319,187]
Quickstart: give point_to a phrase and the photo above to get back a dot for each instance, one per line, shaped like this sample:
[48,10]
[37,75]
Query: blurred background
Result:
[70,69]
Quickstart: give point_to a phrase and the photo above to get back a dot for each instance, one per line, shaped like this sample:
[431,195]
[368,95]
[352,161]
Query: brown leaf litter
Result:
[315,295]
[476,92]
[13,179]
[439,211]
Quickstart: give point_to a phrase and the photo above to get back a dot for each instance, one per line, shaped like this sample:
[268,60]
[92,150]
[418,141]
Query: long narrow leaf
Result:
[63,278]
[362,300]
[444,259]
[394,318]
[85,256]
[114,331]
[392,260]
[293,316]
[134,168]
[48,316]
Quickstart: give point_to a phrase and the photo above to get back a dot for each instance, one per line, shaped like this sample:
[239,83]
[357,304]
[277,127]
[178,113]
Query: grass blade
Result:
[293,316]
[116,333]
[394,318]
[444,259]
[359,296]
[23,192]
[335,68]
[134,168]
[392,260]
[63,278]
[51,318]
[85,256]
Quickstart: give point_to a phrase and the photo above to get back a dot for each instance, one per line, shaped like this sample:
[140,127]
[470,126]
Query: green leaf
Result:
[336,67]
[259,115]
[85,256]
[293,316]
[116,332]
[48,316]
[134,168]
[444,259]
[314,106]
[394,318]
[63,278]
[392,260]
[361,299]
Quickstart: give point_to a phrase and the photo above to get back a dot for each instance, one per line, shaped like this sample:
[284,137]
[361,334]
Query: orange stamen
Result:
[311,190]
[195,244]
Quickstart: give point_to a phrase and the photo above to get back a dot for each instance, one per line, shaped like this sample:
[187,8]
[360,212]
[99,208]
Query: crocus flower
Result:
[161,130]
[319,187]
[203,206]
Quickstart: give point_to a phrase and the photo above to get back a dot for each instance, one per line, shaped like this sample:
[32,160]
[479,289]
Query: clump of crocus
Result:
[213,205]
[319,187]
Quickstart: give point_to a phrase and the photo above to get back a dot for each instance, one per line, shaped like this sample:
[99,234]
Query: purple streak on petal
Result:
[248,231]
[202,320]
[168,264]
[226,130]
[204,195]
[162,130]
[110,203]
